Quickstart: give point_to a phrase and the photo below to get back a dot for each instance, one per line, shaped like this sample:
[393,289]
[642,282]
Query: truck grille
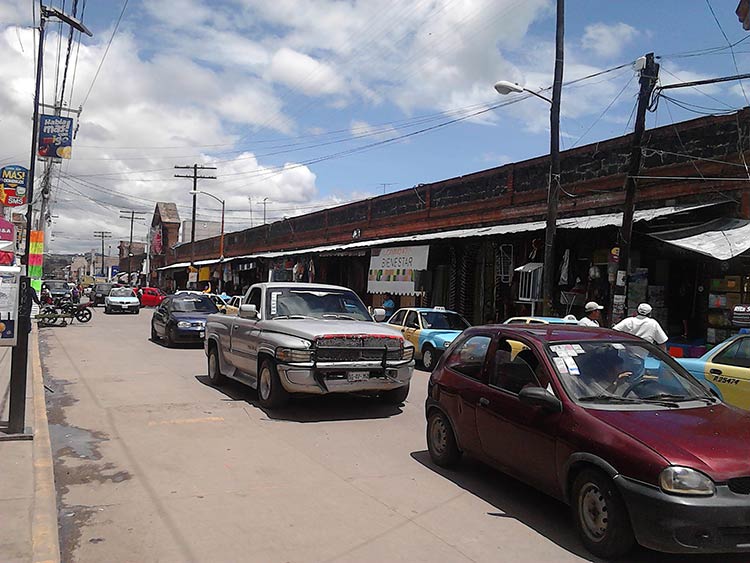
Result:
[740,485]
[357,348]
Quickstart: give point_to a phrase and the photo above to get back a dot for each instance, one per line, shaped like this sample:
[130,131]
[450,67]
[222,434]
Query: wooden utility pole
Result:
[103,235]
[131,216]
[553,190]
[649,77]
[195,177]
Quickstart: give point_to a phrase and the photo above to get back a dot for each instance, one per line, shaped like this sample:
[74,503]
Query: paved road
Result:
[153,464]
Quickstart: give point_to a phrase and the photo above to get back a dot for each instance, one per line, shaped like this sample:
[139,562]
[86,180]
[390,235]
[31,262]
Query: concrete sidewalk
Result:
[28,510]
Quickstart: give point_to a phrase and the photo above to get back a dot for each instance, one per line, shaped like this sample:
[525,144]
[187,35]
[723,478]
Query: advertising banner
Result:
[55,136]
[36,254]
[13,182]
[157,241]
[9,287]
[392,270]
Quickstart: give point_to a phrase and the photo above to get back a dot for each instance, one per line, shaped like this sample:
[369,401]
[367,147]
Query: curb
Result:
[45,541]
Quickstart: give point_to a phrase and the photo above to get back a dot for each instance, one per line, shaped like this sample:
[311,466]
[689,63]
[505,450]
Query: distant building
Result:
[203,230]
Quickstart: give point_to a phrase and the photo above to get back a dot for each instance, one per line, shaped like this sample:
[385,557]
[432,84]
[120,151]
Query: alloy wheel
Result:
[264,385]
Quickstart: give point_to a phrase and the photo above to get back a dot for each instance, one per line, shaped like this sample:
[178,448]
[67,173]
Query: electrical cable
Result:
[606,109]
[731,49]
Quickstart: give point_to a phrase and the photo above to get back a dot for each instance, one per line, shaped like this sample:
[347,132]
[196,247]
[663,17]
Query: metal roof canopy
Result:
[584,222]
[722,238]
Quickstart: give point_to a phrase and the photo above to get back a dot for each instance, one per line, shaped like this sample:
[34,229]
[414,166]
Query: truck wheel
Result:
[214,367]
[395,396]
[600,515]
[428,358]
[441,442]
[271,394]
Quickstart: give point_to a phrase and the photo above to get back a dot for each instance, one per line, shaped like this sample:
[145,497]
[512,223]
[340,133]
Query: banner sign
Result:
[36,254]
[55,136]
[13,182]
[157,241]
[392,270]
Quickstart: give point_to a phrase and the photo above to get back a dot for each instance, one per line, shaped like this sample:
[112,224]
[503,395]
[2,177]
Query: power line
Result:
[731,48]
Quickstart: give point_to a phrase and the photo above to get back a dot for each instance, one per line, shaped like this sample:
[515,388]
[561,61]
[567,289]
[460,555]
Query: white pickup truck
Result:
[300,338]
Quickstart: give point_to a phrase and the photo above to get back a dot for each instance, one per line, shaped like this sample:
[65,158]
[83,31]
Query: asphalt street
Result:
[154,464]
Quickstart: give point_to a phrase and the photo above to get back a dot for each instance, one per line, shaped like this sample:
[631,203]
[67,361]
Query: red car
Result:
[611,425]
[151,296]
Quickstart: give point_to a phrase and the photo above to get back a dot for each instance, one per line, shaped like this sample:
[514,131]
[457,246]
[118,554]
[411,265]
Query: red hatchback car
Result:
[604,421]
[152,296]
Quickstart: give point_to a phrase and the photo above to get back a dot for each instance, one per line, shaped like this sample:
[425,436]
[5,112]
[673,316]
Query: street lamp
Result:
[20,355]
[504,87]
[221,201]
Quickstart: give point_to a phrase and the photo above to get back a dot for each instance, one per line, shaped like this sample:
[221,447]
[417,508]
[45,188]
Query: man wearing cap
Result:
[593,314]
[644,326]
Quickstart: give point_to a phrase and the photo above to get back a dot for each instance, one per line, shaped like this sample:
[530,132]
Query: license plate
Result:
[202,334]
[353,376]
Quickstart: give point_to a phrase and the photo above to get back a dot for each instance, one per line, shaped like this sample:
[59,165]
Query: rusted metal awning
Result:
[722,238]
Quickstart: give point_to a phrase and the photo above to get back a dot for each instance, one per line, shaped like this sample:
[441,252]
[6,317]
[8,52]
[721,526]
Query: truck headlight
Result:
[408,354]
[183,324]
[290,355]
[685,481]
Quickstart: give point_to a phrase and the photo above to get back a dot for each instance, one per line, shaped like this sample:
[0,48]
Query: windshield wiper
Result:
[659,396]
[337,316]
[626,400]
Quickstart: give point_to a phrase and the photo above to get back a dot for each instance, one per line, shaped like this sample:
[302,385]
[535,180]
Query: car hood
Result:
[122,300]
[712,439]
[309,329]
[440,335]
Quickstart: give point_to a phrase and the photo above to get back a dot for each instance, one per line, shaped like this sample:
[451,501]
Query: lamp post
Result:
[553,190]
[265,200]
[221,238]
[20,354]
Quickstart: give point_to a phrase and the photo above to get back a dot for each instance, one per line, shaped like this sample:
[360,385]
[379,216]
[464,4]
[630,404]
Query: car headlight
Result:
[686,481]
[183,324]
[291,355]
[408,353]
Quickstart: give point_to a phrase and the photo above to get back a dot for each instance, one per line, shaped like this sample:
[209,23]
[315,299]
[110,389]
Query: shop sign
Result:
[393,270]
[55,136]
[13,183]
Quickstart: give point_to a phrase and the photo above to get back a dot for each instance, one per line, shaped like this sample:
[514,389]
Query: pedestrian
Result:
[643,326]
[389,305]
[593,314]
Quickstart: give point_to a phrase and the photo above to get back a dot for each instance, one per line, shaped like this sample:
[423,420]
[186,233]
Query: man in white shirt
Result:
[593,314]
[644,326]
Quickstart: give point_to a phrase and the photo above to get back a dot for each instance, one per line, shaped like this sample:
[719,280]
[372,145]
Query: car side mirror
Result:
[540,397]
[378,314]
[248,312]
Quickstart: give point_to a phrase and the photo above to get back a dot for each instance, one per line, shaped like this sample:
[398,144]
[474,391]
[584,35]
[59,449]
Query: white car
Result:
[122,300]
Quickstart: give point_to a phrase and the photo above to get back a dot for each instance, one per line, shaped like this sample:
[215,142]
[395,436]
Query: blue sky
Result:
[252,86]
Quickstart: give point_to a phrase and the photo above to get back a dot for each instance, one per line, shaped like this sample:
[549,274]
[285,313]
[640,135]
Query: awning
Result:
[722,238]
[584,222]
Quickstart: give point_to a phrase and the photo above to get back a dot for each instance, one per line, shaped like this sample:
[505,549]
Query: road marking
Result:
[186,420]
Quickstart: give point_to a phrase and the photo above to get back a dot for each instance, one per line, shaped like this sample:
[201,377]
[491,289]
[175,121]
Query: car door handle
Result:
[484,402]
[714,371]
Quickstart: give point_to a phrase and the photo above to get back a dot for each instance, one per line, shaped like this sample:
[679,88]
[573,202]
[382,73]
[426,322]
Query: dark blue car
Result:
[182,318]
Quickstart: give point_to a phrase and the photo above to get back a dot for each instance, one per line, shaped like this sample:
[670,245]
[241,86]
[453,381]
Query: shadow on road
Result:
[542,513]
[176,345]
[326,408]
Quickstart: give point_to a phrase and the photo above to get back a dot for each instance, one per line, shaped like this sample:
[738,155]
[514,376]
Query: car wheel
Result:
[395,396]
[171,339]
[137,311]
[441,442]
[600,515]
[154,335]
[106,310]
[428,358]
[271,394]
[214,367]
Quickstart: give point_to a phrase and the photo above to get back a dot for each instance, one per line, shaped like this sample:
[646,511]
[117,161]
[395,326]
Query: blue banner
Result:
[55,136]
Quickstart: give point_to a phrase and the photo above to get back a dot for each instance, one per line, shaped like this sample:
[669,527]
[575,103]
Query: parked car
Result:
[301,338]
[58,289]
[182,318]
[612,425]
[122,300]
[235,301]
[431,331]
[567,320]
[151,296]
[727,366]
[218,301]
[100,292]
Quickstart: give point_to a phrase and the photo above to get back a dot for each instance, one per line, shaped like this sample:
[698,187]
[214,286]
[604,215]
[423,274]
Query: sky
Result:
[311,103]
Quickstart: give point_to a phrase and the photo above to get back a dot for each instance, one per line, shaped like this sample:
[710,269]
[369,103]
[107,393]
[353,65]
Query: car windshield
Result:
[103,287]
[194,304]
[285,302]
[443,320]
[56,285]
[622,373]
[121,292]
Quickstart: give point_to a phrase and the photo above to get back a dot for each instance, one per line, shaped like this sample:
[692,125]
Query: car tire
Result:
[429,358]
[395,396]
[214,367]
[441,441]
[154,334]
[600,515]
[171,340]
[271,394]
[137,311]
[106,310]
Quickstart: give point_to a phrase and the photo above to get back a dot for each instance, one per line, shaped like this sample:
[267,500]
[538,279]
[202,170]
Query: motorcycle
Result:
[81,312]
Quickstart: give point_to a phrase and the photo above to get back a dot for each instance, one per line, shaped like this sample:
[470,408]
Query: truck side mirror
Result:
[248,312]
[378,314]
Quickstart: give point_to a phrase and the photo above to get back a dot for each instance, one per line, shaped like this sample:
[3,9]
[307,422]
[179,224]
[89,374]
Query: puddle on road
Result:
[76,442]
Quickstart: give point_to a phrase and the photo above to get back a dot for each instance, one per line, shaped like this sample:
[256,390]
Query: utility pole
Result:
[195,177]
[102,235]
[649,76]
[553,190]
[130,215]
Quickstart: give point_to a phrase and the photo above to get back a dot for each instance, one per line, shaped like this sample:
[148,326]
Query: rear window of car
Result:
[194,304]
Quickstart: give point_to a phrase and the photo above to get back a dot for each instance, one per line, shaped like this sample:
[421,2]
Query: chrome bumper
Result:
[332,377]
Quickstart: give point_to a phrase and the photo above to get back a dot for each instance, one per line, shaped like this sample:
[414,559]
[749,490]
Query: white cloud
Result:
[362,129]
[304,73]
[607,40]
